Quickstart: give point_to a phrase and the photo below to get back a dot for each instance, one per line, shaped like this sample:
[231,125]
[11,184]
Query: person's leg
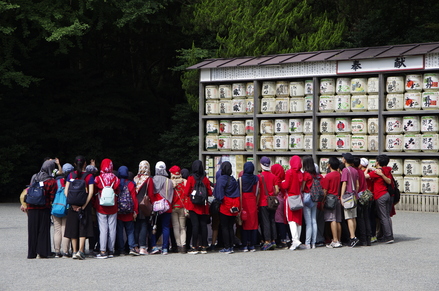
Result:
[176,226]
[112,225]
[225,230]
[231,223]
[119,235]
[361,226]
[384,215]
[57,233]
[182,226]
[43,239]
[65,242]
[129,229]
[320,226]
[265,223]
[314,225]
[273,232]
[203,228]
[295,233]
[195,228]
[32,231]
[308,225]
[166,224]
[103,231]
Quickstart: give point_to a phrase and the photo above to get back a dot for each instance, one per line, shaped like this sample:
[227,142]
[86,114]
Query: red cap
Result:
[175,170]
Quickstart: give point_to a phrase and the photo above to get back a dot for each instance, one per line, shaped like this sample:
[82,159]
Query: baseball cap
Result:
[364,162]
[265,163]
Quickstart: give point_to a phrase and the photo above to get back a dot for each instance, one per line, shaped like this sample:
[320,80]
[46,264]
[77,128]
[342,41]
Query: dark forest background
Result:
[107,78]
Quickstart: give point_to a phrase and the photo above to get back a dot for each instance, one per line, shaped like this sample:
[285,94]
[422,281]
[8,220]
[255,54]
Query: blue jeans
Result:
[166,229]
[310,214]
[129,229]
[141,232]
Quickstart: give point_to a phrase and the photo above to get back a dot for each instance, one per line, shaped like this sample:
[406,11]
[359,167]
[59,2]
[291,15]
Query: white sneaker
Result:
[295,245]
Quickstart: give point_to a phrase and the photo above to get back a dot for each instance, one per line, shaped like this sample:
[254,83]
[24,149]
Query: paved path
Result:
[411,263]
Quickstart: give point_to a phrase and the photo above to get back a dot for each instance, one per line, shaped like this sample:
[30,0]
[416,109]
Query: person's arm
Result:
[286,183]
[343,187]
[90,194]
[357,186]
[60,172]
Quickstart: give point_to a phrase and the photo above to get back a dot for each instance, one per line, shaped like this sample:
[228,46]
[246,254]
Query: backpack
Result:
[316,190]
[107,195]
[77,194]
[35,194]
[199,194]
[125,203]
[59,205]
[393,189]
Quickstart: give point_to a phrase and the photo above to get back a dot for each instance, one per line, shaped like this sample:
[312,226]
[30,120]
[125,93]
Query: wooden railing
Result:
[418,202]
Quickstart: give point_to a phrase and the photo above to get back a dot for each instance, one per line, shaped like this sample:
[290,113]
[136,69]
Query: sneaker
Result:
[231,250]
[80,255]
[389,241]
[101,256]
[143,251]
[272,246]
[265,246]
[155,250]
[334,245]
[373,239]
[354,241]
[225,251]
[58,255]
[252,249]
[133,252]
[75,256]
[338,245]
[313,246]
[193,251]
[203,250]
[320,244]
[295,245]
[164,251]
[245,249]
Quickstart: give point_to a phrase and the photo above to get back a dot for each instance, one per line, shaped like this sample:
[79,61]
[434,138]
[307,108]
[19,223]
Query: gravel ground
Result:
[411,263]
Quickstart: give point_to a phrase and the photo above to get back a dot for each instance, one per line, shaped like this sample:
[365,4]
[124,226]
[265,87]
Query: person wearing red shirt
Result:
[363,219]
[179,211]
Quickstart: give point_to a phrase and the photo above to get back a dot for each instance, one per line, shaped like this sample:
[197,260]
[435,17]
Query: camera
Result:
[234,209]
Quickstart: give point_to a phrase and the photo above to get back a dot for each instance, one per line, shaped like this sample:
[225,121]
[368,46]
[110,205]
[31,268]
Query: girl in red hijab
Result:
[280,216]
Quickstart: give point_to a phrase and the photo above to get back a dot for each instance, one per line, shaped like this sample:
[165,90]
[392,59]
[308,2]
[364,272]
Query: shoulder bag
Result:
[272,201]
[330,201]
[145,206]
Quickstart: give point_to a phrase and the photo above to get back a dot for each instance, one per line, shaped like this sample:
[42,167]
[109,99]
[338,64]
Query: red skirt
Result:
[250,206]
[295,216]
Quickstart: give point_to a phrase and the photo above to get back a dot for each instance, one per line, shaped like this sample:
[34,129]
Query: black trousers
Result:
[227,223]
[199,224]
[38,228]
[267,223]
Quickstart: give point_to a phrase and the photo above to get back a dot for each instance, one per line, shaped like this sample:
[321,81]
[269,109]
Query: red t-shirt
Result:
[331,183]
[379,185]
[190,185]
[270,180]
[361,181]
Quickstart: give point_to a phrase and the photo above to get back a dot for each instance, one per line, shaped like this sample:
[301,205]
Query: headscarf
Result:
[248,178]
[107,172]
[122,172]
[226,168]
[67,168]
[176,175]
[45,172]
[160,179]
[279,171]
[296,176]
[142,175]
[232,189]
[198,170]
[184,173]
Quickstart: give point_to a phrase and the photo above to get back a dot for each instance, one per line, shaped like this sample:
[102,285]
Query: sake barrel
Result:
[373,85]
[343,86]
[239,106]
[359,125]
[282,105]
[309,87]
[372,143]
[372,125]
[250,106]
[394,125]
[429,142]
[343,142]
[327,125]
[280,142]
[430,168]
[429,124]
[359,102]
[326,103]
[238,143]
[225,127]
[268,105]
[225,107]
[412,142]
[238,127]
[211,92]
[284,161]
[429,185]
[211,142]
[268,89]
[282,89]
[394,102]
[250,89]
[225,91]
[358,86]
[372,163]
[297,89]
[431,81]
[397,166]
[372,102]
[249,126]
[342,103]
[430,100]
[295,125]
[395,84]
[249,143]
[327,86]
[413,82]
[281,126]
[412,185]
[239,90]
[412,101]
[297,104]
[343,125]
[212,107]
[212,126]
[308,142]
[225,142]
[400,181]
[323,165]
[266,126]
[296,142]
[266,143]
[308,126]
[359,143]
[411,124]
[394,142]
[309,103]
[412,167]
[327,142]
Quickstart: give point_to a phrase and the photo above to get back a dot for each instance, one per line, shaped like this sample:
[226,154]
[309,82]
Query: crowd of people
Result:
[347,204]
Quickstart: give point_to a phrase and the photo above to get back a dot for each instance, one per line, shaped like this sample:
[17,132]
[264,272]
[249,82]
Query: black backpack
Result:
[77,194]
[393,189]
[199,194]
[35,195]
[316,191]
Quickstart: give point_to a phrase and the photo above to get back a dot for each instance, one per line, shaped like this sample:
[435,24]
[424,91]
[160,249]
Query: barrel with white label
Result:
[225,107]
[268,89]
[358,86]
[326,103]
[250,89]
[309,103]
[212,107]
[343,125]
[400,181]
[343,142]
[394,142]
[395,84]
[372,125]
[212,126]
[429,185]
[429,142]
[372,102]
[239,106]
[359,125]
[359,143]
[225,142]
[239,90]
[225,91]
[412,185]
[372,163]
[309,87]
[211,142]
[297,89]
[430,168]
[282,89]
[412,101]
[238,127]
[411,124]
[359,103]
[238,143]
[327,86]
[327,142]
[394,102]
[249,126]
[282,105]
[211,92]
[372,143]
[343,86]
[397,166]
[225,127]
[429,124]
[431,81]
[266,143]
[413,82]
[295,125]
[412,167]
[266,126]
[342,103]
[284,161]
[308,126]
[394,125]
[297,104]
[280,142]
[295,142]
[308,142]
[281,126]
[323,165]
[373,85]
[268,105]
[249,106]
[430,100]
[327,125]
[412,142]
[249,143]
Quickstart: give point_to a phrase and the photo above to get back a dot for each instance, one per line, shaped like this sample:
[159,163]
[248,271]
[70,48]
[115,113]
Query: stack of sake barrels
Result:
[229,99]
[282,97]
[347,133]
[229,135]
[412,133]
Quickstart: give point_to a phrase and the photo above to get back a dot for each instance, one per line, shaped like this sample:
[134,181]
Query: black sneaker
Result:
[354,241]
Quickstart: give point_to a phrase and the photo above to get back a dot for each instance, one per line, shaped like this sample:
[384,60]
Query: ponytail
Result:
[79,165]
